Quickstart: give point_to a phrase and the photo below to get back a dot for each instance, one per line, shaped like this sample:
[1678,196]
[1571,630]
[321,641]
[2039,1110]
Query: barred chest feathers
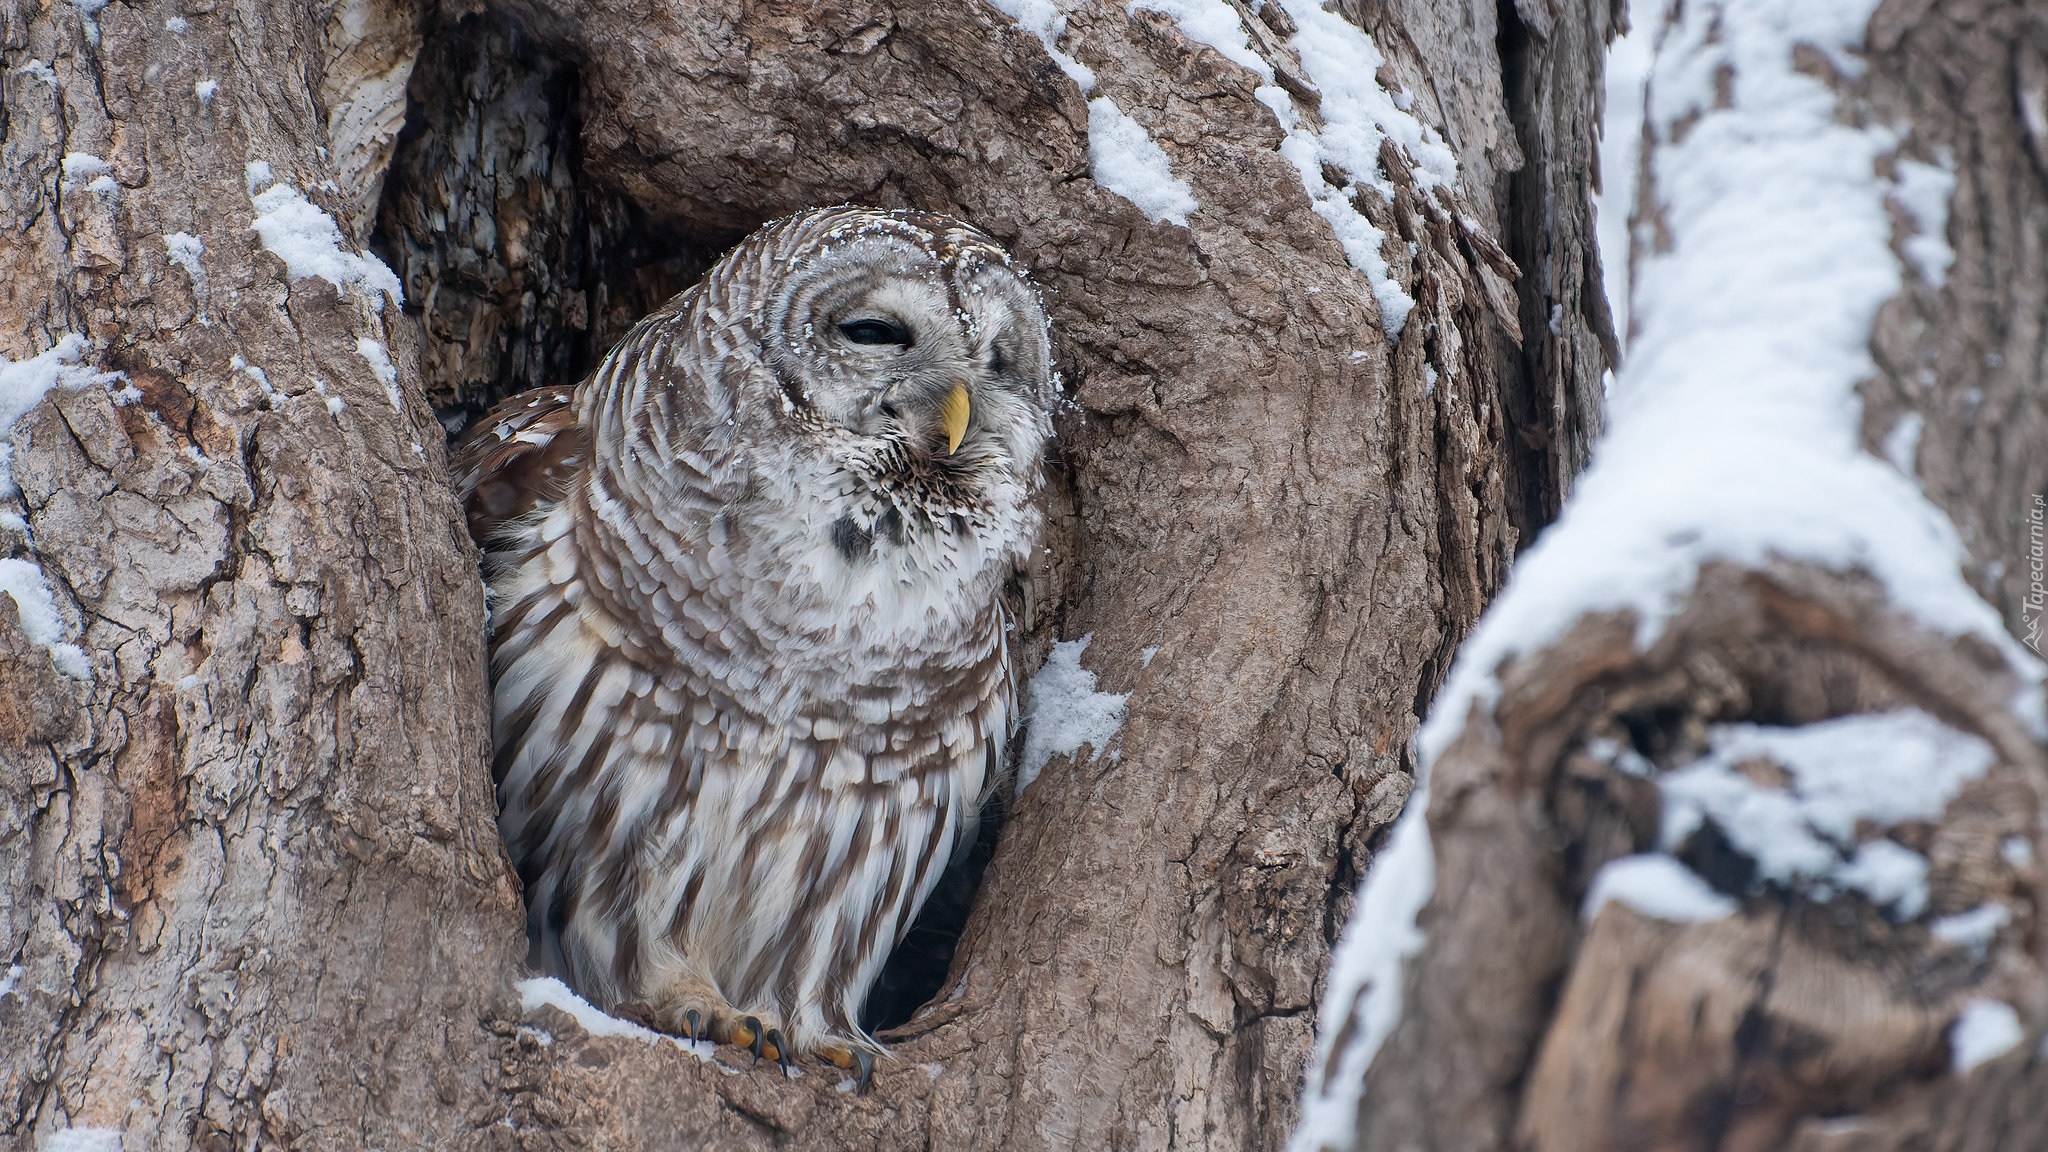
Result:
[751,672]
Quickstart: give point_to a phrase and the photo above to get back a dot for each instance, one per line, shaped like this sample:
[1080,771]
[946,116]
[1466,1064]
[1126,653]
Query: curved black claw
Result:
[693,1025]
[753,1025]
[865,1062]
[781,1051]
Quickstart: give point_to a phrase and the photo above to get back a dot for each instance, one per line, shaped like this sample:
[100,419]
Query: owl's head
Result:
[905,345]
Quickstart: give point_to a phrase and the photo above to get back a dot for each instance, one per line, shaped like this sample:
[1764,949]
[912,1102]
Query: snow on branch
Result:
[1734,436]
[1355,116]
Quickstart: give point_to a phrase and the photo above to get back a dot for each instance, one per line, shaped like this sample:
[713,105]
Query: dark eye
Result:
[875,332]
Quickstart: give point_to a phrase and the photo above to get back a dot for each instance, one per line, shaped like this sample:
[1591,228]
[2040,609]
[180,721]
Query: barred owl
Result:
[750,673]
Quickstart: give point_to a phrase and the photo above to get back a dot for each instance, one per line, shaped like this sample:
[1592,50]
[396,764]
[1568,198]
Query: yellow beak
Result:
[953,415]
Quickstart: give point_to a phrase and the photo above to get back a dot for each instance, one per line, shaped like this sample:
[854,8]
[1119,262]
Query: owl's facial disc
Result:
[946,362]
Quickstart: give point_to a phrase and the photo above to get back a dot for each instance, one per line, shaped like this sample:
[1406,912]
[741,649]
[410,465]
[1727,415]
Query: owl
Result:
[750,669]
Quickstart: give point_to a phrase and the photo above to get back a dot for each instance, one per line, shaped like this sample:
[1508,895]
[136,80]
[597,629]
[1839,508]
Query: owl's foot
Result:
[695,1011]
[858,1061]
[749,1033]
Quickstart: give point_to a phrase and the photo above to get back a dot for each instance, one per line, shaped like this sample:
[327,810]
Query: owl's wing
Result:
[522,452]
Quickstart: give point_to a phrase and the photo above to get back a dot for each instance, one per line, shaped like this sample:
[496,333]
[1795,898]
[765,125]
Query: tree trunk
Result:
[252,879]
[1773,589]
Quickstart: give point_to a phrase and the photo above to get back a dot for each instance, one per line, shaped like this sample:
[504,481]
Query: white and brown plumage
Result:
[750,669]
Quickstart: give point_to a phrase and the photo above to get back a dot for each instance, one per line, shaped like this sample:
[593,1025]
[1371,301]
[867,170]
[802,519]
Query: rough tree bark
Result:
[1795,1016]
[251,874]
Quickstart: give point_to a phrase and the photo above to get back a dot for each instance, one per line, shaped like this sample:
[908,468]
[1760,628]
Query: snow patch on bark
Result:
[1656,886]
[1857,771]
[546,990]
[185,250]
[23,384]
[89,12]
[81,168]
[1063,711]
[24,582]
[1621,157]
[309,242]
[1972,931]
[383,369]
[1211,22]
[1043,19]
[1357,115]
[1733,436]
[1123,158]
[1986,1030]
[83,1140]
[1363,1001]
[1923,191]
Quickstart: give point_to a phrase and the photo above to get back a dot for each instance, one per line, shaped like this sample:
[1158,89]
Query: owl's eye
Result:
[875,332]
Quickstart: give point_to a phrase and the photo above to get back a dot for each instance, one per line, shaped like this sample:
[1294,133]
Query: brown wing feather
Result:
[524,451]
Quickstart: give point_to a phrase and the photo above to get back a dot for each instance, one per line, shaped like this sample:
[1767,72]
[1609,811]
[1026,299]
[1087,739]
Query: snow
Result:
[257,175]
[1365,979]
[1343,63]
[1215,23]
[1357,114]
[1873,771]
[11,980]
[205,90]
[1122,157]
[1063,711]
[89,11]
[1974,930]
[24,581]
[1657,886]
[175,24]
[23,385]
[1146,654]
[38,70]
[83,168]
[547,990]
[1621,154]
[309,242]
[83,1140]
[1733,435]
[383,369]
[1886,768]
[1125,160]
[185,250]
[1357,235]
[1902,443]
[1923,191]
[1890,874]
[1043,19]
[1986,1030]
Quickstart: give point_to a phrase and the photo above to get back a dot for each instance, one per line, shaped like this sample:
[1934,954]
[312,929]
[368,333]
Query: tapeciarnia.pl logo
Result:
[2031,609]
